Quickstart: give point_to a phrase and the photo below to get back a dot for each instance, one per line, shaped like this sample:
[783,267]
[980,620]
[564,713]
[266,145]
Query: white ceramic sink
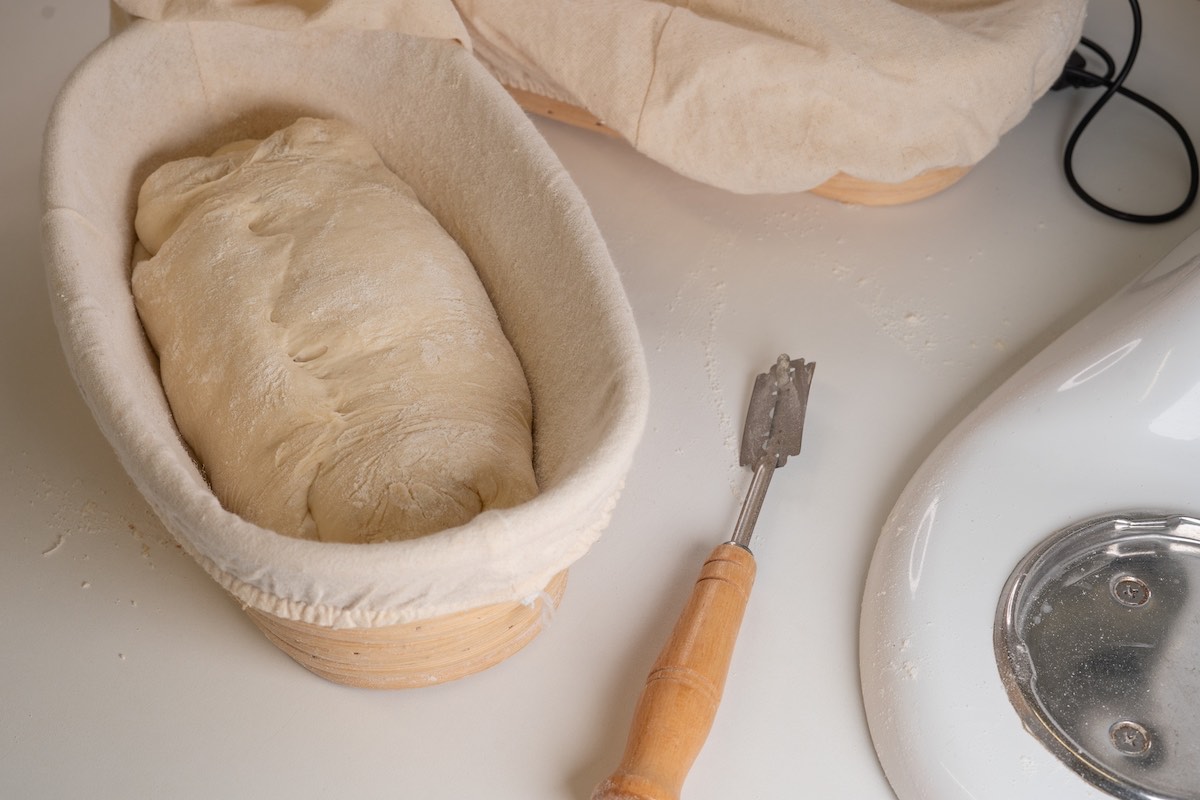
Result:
[1105,421]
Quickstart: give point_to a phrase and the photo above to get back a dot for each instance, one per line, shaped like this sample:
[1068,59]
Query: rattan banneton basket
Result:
[414,654]
[396,614]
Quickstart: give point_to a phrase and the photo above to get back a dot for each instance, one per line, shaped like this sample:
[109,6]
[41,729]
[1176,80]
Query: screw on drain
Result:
[1130,591]
[1130,738]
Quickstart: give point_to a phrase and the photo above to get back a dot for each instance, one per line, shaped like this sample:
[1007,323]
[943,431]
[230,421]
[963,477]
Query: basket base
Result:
[413,654]
[841,187]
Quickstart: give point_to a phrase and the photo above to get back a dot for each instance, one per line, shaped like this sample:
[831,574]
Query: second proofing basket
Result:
[402,613]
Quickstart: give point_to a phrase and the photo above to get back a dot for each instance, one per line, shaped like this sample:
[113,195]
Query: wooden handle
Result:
[683,690]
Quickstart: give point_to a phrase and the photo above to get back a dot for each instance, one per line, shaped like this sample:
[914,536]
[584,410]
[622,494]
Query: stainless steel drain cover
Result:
[1097,639]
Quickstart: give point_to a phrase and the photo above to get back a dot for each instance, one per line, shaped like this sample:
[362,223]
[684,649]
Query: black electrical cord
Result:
[1075,75]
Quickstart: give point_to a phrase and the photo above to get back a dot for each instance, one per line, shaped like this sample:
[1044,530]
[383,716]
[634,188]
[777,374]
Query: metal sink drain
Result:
[1097,639]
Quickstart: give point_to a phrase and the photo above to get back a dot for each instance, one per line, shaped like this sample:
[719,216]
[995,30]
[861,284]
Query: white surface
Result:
[126,672]
[1103,421]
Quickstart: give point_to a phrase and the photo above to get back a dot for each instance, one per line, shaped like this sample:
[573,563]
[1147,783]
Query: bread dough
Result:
[327,349]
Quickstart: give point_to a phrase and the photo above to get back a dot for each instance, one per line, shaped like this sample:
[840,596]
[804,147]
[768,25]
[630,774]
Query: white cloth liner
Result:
[781,95]
[163,90]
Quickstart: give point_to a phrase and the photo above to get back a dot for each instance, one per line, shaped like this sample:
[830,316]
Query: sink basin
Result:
[1098,433]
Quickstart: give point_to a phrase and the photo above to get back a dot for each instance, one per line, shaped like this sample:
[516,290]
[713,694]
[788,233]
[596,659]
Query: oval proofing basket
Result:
[401,613]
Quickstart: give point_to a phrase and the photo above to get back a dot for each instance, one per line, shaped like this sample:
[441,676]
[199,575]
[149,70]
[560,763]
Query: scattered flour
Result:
[697,311]
[74,520]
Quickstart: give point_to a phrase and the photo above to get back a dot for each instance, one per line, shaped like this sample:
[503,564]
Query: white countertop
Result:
[126,672]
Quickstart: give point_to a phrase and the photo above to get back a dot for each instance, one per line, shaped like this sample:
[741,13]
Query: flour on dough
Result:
[327,349]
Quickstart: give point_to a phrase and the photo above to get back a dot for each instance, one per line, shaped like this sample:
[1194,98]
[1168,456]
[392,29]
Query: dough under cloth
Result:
[327,349]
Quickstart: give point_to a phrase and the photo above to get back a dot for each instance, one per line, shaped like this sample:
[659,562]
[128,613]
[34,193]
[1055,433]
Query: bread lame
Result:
[683,690]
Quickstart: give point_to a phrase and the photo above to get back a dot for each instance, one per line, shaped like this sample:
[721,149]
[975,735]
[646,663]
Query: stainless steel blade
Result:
[774,430]
[775,416]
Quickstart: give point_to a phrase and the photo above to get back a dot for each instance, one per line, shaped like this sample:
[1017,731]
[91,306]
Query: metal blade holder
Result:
[773,431]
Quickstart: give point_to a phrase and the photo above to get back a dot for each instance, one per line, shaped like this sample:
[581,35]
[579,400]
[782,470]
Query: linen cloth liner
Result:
[164,90]
[781,95]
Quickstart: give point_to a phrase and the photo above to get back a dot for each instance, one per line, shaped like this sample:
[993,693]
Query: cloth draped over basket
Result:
[433,19]
[753,96]
[781,95]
